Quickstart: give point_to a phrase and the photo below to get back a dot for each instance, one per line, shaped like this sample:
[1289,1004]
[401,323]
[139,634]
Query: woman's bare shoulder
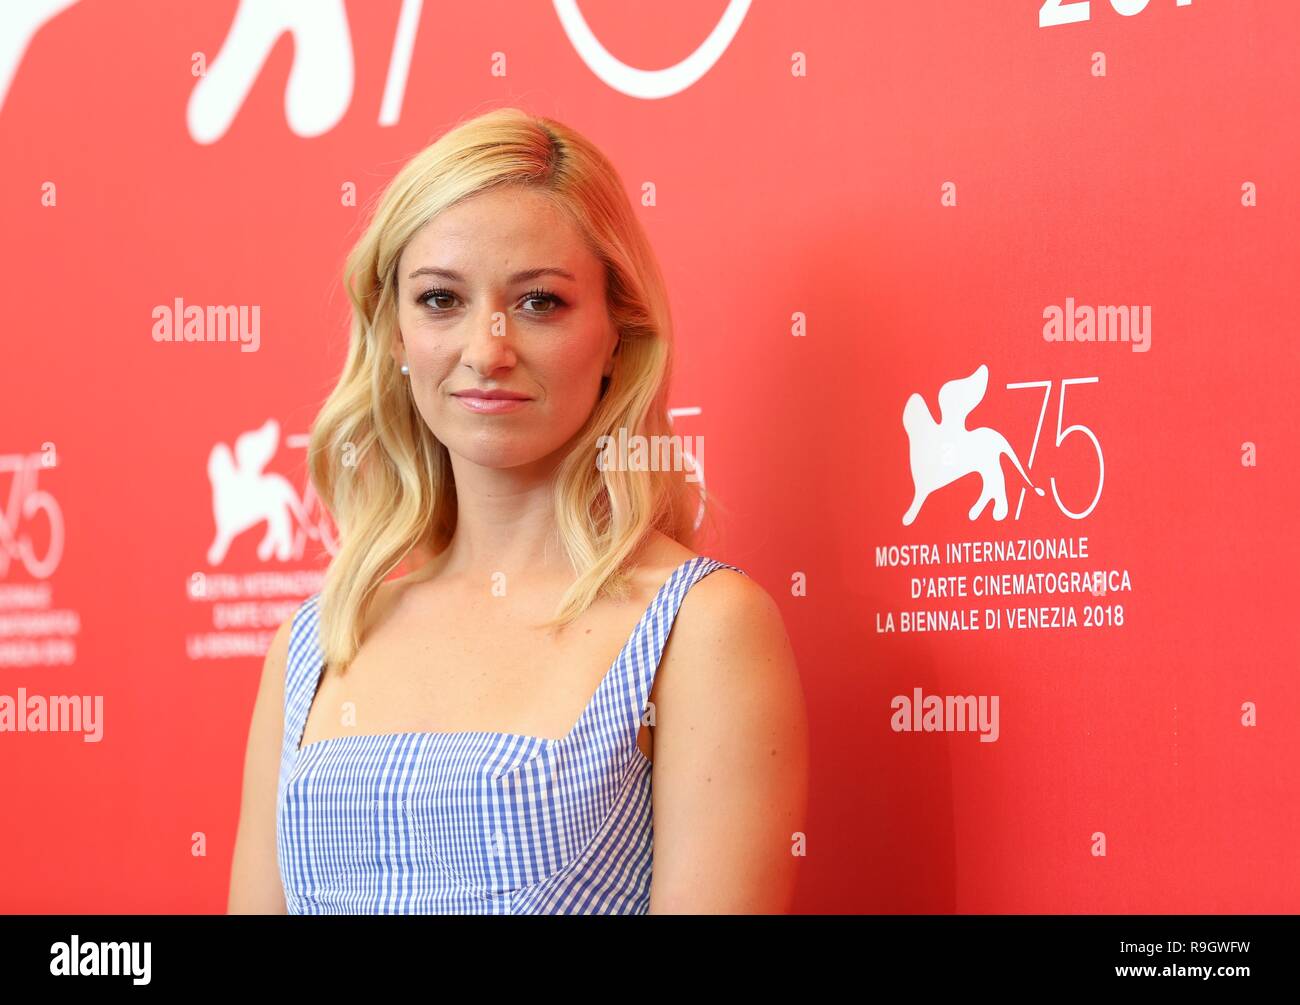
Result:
[732,603]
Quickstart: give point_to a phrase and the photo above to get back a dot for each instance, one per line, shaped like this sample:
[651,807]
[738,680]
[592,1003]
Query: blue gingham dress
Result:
[475,822]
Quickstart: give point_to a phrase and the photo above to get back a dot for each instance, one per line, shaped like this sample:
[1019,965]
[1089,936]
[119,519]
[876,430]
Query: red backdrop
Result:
[853,203]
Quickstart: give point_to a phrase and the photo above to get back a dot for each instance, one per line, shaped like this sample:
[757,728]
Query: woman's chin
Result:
[498,455]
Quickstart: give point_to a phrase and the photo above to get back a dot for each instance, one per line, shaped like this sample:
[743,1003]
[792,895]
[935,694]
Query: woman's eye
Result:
[430,298]
[542,296]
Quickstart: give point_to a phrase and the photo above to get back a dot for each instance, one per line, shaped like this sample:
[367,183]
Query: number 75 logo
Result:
[944,451]
[1062,431]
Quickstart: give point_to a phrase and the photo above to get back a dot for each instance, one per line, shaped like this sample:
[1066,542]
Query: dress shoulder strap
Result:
[299,677]
[611,721]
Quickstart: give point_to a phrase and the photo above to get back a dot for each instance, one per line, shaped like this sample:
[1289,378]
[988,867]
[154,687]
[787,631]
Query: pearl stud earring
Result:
[405,369]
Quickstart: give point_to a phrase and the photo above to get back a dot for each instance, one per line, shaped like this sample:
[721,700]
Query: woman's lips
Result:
[491,406]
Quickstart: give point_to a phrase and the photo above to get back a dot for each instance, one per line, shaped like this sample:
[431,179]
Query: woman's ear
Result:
[609,360]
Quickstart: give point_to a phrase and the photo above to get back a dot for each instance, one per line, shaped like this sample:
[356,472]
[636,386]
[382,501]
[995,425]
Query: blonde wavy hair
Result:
[378,469]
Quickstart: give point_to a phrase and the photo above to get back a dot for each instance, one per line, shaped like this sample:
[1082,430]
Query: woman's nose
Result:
[489,342]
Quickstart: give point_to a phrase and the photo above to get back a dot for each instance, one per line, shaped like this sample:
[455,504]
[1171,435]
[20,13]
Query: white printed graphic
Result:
[649,83]
[696,464]
[320,81]
[34,631]
[19,23]
[1062,433]
[244,496]
[27,504]
[1059,12]
[943,451]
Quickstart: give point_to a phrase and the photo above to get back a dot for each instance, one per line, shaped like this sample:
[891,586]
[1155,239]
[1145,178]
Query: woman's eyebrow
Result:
[518,277]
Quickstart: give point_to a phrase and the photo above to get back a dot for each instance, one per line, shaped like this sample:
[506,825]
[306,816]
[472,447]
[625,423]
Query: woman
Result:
[435,743]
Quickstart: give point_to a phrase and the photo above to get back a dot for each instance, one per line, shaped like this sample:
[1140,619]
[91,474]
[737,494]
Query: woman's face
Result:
[500,292]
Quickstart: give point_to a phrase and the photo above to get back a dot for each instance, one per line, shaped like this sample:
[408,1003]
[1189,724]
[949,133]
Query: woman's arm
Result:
[730,755]
[255,886]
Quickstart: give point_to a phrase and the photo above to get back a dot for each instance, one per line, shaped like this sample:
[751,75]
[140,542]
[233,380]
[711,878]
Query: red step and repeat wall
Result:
[986,311]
